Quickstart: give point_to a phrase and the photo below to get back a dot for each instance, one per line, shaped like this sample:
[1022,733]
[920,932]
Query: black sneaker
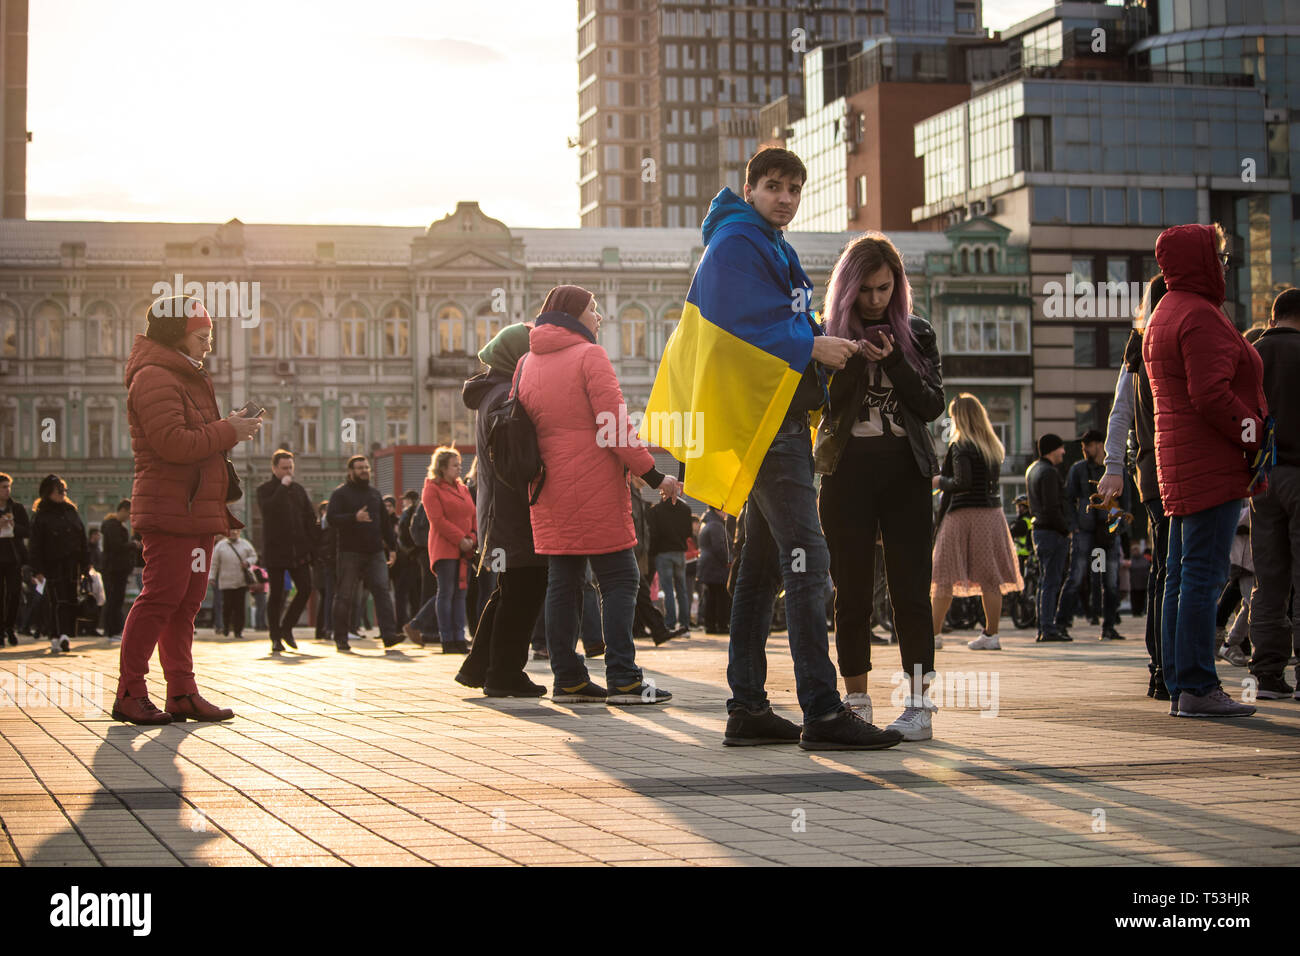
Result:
[289,639]
[1053,637]
[641,692]
[585,693]
[752,730]
[518,686]
[472,680]
[663,637]
[1110,634]
[846,731]
[1273,688]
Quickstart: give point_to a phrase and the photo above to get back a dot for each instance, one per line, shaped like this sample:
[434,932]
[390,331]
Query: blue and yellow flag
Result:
[731,367]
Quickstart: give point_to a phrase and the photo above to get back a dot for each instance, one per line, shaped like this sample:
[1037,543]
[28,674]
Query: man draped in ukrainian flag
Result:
[731,400]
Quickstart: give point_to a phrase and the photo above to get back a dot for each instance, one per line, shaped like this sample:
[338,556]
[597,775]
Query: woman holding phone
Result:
[877,456]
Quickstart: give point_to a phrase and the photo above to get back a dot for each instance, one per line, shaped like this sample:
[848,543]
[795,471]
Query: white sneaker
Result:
[859,704]
[985,642]
[938,641]
[354,637]
[54,645]
[64,645]
[914,724]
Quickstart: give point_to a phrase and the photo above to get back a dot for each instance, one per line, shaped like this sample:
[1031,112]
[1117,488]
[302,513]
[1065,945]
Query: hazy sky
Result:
[384,112]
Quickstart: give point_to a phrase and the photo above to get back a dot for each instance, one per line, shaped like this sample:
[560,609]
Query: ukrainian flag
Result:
[731,367]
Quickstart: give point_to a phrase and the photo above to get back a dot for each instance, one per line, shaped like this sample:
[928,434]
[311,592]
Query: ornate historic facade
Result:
[365,334]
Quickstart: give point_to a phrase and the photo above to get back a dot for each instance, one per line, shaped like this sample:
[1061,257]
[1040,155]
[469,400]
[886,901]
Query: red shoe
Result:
[139,710]
[193,707]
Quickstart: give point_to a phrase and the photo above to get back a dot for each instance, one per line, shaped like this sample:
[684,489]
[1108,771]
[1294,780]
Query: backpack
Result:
[512,445]
[420,527]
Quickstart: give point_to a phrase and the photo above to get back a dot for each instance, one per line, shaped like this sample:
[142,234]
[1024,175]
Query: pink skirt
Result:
[973,554]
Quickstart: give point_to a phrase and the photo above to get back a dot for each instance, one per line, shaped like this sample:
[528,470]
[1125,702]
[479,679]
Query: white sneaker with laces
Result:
[914,723]
[354,637]
[938,641]
[54,645]
[985,642]
[64,644]
[859,704]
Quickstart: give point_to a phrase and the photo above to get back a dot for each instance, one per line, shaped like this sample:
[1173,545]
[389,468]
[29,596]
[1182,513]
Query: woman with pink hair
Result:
[877,456]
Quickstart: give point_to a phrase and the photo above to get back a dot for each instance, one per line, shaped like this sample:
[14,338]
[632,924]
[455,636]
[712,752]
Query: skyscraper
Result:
[669,92]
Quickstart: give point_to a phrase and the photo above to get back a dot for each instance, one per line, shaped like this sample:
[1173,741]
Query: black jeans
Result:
[234,601]
[11,586]
[500,649]
[61,597]
[357,571]
[1275,548]
[114,597]
[877,485]
[282,621]
[717,611]
[1158,522]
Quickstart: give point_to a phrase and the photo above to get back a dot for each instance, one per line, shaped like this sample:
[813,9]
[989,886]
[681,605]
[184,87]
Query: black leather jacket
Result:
[920,400]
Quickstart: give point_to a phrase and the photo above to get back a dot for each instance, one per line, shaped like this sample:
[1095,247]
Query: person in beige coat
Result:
[231,559]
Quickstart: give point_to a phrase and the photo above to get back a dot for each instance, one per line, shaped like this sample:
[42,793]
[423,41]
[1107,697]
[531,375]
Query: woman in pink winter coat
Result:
[453,533]
[583,514]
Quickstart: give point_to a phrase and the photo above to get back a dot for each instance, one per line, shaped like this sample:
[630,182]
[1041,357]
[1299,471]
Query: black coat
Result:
[670,526]
[119,556]
[58,536]
[502,514]
[967,480]
[920,401]
[14,550]
[289,526]
[1047,497]
[360,537]
[712,565]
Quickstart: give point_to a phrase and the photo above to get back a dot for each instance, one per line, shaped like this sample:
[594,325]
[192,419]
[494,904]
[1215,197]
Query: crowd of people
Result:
[816,463]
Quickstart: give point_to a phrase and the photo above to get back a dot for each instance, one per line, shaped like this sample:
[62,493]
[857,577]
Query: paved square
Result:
[383,759]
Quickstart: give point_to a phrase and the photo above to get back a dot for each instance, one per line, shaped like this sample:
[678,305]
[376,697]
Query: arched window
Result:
[397,331]
[101,331]
[449,329]
[487,324]
[352,329]
[8,330]
[632,331]
[304,327]
[261,344]
[47,322]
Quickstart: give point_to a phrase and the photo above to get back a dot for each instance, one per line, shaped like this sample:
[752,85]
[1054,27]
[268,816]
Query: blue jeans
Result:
[781,527]
[1196,569]
[590,627]
[671,566]
[617,575]
[370,571]
[450,600]
[1050,546]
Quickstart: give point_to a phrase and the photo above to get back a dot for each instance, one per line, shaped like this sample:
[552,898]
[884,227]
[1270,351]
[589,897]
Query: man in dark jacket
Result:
[1275,515]
[289,532]
[325,557]
[1089,531]
[119,562]
[1051,531]
[14,530]
[712,569]
[500,651]
[356,512]
[670,526]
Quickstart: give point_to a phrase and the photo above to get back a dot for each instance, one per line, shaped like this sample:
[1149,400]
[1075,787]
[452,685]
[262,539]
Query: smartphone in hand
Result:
[251,410]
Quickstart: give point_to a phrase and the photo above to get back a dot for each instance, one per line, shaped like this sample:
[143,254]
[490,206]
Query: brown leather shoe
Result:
[193,707]
[413,634]
[139,710]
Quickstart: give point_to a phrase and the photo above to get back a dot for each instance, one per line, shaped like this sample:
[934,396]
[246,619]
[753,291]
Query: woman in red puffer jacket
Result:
[178,505]
[583,514]
[1210,419]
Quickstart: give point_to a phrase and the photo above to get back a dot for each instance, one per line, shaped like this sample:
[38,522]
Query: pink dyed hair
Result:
[860,258]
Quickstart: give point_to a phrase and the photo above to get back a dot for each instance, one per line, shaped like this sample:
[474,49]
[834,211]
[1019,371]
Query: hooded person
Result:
[1211,417]
[178,504]
[571,393]
[500,650]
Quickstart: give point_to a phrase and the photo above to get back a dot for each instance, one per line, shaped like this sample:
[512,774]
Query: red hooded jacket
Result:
[180,441]
[1207,381]
[450,511]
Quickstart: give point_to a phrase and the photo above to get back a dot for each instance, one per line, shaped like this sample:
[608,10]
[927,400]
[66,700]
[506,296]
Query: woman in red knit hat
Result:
[178,505]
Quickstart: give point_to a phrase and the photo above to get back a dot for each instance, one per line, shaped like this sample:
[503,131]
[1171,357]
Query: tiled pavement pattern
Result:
[383,759]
